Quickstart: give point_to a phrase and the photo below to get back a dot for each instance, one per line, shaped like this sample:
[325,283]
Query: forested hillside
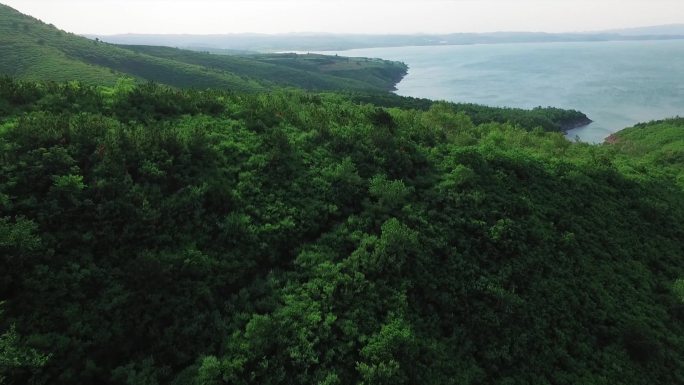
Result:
[30,49]
[156,236]
[547,118]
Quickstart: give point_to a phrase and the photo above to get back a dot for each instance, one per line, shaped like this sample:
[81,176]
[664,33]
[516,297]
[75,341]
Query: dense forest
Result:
[150,235]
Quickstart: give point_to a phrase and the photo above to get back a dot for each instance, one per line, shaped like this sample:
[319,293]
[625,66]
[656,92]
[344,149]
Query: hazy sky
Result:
[360,16]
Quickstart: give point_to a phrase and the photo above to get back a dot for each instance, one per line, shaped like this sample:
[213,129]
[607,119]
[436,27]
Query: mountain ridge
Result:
[332,41]
[676,29]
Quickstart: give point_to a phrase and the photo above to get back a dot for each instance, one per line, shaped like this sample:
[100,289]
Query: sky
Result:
[350,16]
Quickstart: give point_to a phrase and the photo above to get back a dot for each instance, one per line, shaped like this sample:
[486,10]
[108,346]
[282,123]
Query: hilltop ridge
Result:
[34,50]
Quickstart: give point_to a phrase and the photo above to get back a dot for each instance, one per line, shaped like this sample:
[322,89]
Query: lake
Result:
[617,84]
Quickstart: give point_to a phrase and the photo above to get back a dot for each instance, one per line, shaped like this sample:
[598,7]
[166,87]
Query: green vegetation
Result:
[315,72]
[658,143]
[35,51]
[157,236]
[13,356]
[548,118]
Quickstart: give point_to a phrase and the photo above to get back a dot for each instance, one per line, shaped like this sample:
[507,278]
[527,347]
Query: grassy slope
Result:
[37,51]
[25,56]
[660,143]
[305,71]
[374,72]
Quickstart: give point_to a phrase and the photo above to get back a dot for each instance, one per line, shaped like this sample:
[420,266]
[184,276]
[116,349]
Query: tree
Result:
[14,356]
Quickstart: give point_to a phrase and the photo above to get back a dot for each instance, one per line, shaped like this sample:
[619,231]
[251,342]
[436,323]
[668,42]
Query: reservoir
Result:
[617,84]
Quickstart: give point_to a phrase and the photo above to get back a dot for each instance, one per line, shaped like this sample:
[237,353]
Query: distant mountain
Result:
[337,42]
[31,49]
[658,30]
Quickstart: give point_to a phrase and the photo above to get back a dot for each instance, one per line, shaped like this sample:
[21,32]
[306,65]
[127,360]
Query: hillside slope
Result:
[156,236]
[658,143]
[30,49]
[309,71]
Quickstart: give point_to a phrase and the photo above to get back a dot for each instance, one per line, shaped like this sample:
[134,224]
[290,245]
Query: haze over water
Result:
[617,84]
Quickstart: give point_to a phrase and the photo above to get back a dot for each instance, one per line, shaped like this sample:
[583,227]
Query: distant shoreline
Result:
[340,43]
[331,51]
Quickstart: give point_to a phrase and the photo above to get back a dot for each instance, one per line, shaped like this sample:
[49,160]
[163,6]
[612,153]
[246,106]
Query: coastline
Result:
[576,123]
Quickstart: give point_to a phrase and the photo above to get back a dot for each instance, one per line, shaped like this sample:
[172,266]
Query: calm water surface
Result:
[617,84]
